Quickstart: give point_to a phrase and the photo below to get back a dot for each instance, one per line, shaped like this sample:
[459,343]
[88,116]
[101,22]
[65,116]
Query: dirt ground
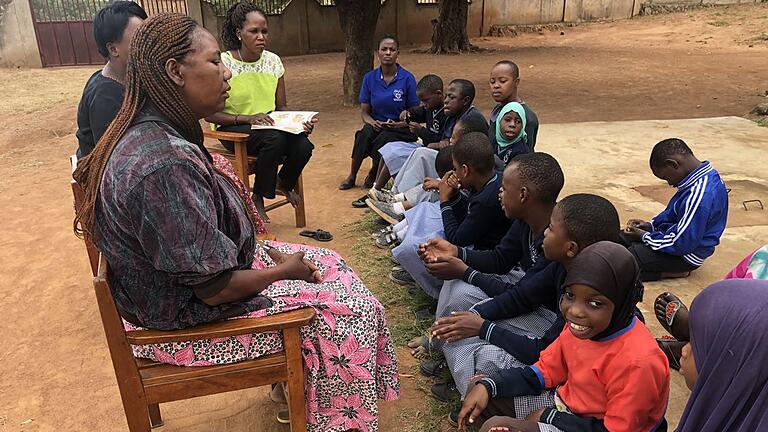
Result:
[56,372]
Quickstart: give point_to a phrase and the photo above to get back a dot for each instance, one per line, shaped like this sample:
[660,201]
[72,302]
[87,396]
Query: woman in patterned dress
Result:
[181,243]
[257,88]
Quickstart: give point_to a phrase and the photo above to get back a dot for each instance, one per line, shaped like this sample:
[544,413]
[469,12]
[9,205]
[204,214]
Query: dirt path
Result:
[56,371]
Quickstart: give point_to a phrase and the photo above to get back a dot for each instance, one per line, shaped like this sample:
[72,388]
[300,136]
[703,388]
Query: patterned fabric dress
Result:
[753,266]
[348,362]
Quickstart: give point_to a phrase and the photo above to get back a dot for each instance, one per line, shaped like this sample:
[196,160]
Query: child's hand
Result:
[430,184]
[448,187]
[474,405]
[639,223]
[405,116]
[415,127]
[375,124]
[436,247]
[446,267]
[634,233]
[457,326]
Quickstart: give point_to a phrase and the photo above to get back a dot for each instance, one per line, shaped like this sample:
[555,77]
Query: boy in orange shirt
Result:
[605,367]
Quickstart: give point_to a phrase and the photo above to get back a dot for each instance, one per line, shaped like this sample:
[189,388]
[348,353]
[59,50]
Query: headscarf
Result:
[500,138]
[610,269]
[729,337]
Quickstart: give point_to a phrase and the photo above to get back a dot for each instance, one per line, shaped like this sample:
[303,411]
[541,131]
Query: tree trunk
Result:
[358,20]
[449,31]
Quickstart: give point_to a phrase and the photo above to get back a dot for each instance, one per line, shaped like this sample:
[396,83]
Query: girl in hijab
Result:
[510,132]
[724,364]
[605,368]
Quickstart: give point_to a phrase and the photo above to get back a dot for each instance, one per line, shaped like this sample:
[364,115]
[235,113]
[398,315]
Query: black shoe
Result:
[360,202]
[347,184]
[445,391]
[432,368]
[401,276]
[453,417]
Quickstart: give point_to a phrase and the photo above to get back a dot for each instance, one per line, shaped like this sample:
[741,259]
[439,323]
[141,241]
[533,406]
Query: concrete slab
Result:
[611,158]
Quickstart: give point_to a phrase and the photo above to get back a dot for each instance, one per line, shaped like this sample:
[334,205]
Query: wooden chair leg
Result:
[295,364]
[241,163]
[136,414]
[155,419]
[301,216]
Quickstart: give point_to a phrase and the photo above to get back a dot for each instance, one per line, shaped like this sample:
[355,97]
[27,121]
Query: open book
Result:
[288,121]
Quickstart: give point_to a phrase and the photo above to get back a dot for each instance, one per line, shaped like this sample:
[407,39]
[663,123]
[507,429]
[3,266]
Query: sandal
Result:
[319,235]
[386,240]
[673,349]
[667,307]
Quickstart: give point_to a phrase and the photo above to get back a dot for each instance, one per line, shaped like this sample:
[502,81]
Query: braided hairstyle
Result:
[160,38]
[234,20]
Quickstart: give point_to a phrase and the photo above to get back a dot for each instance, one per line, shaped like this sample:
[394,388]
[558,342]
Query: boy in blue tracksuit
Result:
[681,237]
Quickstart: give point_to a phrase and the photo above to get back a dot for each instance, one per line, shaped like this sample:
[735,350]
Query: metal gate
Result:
[64,28]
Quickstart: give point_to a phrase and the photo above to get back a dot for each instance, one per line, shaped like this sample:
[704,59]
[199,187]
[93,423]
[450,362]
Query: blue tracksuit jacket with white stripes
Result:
[694,219]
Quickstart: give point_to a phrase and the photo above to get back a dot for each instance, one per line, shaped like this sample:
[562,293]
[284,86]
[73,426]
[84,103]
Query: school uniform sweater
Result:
[451,121]
[434,122]
[477,219]
[619,383]
[519,247]
[541,286]
[694,219]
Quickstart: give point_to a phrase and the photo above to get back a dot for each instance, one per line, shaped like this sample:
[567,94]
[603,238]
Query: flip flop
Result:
[666,315]
[672,348]
[319,235]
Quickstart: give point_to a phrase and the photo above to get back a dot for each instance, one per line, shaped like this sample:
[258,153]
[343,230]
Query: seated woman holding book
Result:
[258,88]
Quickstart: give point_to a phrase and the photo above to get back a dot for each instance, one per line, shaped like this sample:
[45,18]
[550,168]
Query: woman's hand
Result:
[277,256]
[375,124]
[259,119]
[474,405]
[457,326]
[297,268]
[309,126]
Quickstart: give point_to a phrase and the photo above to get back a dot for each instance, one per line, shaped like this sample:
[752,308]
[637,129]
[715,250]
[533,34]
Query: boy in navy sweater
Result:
[679,239]
[474,219]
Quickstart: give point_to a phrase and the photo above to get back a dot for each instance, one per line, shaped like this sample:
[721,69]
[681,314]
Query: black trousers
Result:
[653,264]
[368,141]
[273,148]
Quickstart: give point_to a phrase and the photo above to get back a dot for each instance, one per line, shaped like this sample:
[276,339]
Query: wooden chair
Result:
[244,167]
[144,384]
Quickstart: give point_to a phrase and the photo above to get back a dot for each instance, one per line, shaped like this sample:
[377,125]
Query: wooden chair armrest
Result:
[233,327]
[227,136]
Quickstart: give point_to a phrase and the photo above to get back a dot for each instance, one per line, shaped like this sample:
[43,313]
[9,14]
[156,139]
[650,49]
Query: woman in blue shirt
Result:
[386,92]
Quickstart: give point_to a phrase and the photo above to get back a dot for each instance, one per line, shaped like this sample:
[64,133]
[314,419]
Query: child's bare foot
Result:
[420,347]
[673,315]
[258,202]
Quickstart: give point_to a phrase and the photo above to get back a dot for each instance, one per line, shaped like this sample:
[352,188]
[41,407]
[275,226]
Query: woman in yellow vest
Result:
[258,88]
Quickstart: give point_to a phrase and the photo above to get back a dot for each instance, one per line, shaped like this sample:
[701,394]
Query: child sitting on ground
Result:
[394,234]
[511,137]
[680,238]
[504,82]
[458,108]
[602,338]
[429,90]
[394,203]
[476,219]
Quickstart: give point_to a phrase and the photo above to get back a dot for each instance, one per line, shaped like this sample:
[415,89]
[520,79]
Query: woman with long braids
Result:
[258,88]
[181,244]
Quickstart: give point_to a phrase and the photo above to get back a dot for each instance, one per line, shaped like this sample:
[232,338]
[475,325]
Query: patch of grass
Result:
[373,265]
[719,23]
[762,121]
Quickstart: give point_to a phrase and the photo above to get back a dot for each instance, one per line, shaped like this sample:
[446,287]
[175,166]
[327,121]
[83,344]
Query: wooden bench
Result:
[245,166]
